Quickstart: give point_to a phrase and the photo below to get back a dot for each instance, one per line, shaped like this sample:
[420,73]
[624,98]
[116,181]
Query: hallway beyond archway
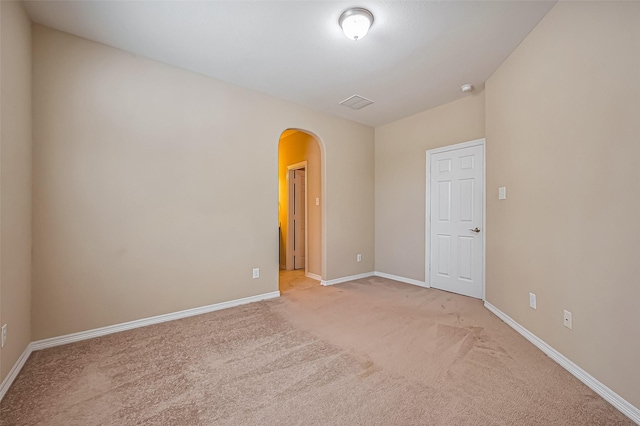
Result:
[300,151]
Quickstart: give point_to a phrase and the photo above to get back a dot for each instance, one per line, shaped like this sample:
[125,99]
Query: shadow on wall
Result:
[296,147]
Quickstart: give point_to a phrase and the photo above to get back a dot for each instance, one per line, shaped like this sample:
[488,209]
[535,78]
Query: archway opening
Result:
[299,210]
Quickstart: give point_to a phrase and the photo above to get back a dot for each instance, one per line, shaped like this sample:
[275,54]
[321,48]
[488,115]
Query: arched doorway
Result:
[300,209]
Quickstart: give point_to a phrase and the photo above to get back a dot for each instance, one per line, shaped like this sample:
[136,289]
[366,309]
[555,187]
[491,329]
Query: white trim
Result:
[610,396]
[454,147]
[8,381]
[313,276]
[345,279]
[97,332]
[296,166]
[427,215]
[484,219]
[401,279]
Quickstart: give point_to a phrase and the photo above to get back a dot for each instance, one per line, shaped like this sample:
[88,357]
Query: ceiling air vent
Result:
[356,102]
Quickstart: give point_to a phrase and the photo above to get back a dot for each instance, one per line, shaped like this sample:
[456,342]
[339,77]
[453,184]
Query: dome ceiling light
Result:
[355,22]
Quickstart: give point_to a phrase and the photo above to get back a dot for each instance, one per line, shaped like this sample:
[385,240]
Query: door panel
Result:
[443,253]
[444,198]
[456,185]
[466,200]
[465,258]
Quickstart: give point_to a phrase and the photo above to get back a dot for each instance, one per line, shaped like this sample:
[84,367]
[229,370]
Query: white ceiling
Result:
[415,57]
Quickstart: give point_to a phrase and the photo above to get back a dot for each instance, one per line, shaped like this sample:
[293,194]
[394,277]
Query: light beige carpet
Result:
[369,352]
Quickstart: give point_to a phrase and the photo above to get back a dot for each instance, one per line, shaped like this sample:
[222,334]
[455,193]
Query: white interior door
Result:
[455,251]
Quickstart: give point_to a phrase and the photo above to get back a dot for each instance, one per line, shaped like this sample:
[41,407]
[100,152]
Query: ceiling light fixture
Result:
[466,88]
[356,22]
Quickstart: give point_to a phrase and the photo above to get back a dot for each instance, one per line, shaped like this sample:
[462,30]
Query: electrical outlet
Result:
[256,272]
[532,300]
[568,320]
[359,257]
[4,335]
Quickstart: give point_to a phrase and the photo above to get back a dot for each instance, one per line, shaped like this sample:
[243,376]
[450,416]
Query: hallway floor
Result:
[295,280]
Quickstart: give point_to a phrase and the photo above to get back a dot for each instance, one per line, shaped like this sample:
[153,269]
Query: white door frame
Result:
[427,235]
[289,246]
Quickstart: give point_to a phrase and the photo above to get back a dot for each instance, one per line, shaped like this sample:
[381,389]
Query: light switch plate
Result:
[502,193]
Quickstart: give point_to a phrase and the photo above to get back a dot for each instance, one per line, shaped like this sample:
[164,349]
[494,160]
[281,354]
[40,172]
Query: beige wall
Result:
[15,182]
[400,169]
[563,136]
[295,148]
[155,189]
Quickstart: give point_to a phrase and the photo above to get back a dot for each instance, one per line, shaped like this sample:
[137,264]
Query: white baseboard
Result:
[377,274]
[402,279]
[613,398]
[8,381]
[97,332]
[313,276]
[345,279]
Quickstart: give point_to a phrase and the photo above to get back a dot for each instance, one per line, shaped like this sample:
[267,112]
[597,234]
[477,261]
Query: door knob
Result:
[476,230]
